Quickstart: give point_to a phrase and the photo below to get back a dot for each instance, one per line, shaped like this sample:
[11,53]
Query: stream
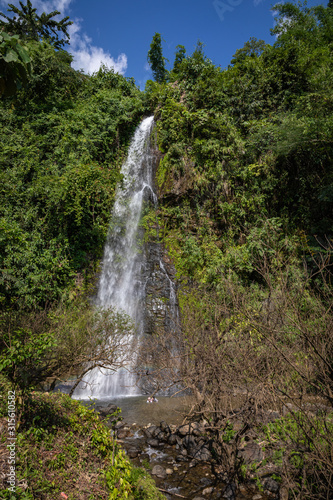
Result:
[185,478]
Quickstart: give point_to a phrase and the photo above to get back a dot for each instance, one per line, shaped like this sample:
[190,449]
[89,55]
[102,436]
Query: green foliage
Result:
[34,270]
[228,432]
[60,439]
[295,440]
[22,359]
[64,139]
[15,67]
[179,57]
[253,48]
[301,430]
[28,25]
[156,59]
[247,144]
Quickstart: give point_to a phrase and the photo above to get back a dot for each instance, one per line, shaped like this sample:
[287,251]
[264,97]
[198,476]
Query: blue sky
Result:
[119,32]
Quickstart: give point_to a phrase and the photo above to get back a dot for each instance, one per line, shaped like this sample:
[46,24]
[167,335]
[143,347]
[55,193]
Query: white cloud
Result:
[51,5]
[91,58]
[87,56]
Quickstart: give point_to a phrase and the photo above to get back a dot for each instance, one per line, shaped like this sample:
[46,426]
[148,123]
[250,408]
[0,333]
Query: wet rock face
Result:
[161,302]
[158,274]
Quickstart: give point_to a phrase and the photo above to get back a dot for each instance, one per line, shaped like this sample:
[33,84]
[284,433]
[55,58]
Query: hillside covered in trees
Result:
[245,184]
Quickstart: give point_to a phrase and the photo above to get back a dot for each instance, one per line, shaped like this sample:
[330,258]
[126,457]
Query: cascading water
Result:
[121,284]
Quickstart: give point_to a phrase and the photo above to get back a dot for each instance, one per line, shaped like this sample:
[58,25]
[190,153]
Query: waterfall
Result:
[121,284]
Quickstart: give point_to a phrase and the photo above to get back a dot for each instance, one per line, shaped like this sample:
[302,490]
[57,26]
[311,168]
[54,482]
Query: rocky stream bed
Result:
[197,461]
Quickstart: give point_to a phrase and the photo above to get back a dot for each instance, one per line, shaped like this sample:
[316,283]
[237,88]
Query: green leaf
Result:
[23,53]
[11,56]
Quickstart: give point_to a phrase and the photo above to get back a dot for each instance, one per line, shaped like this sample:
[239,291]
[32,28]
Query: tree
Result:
[28,25]
[156,59]
[179,57]
[252,48]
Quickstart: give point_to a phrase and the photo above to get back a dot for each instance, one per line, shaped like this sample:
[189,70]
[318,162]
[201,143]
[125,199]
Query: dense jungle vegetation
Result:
[245,185]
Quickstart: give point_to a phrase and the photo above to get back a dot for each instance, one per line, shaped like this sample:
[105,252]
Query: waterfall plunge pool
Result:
[136,410]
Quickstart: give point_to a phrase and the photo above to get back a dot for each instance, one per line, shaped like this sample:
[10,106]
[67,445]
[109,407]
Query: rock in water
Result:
[159,471]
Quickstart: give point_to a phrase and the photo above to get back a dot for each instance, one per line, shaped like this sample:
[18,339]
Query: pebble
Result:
[169,471]
[208,491]
[257,497]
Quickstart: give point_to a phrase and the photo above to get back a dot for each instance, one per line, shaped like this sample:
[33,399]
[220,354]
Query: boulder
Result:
[193,428]
[271,485]
[123,433]
[196,429]
[203,454]
[150,431]
[172,439]
[120,424]
[160,435]
[165,427]
[183,430]
[189,442]
[133,452]
[106,410]
[159,471]
[154,443]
